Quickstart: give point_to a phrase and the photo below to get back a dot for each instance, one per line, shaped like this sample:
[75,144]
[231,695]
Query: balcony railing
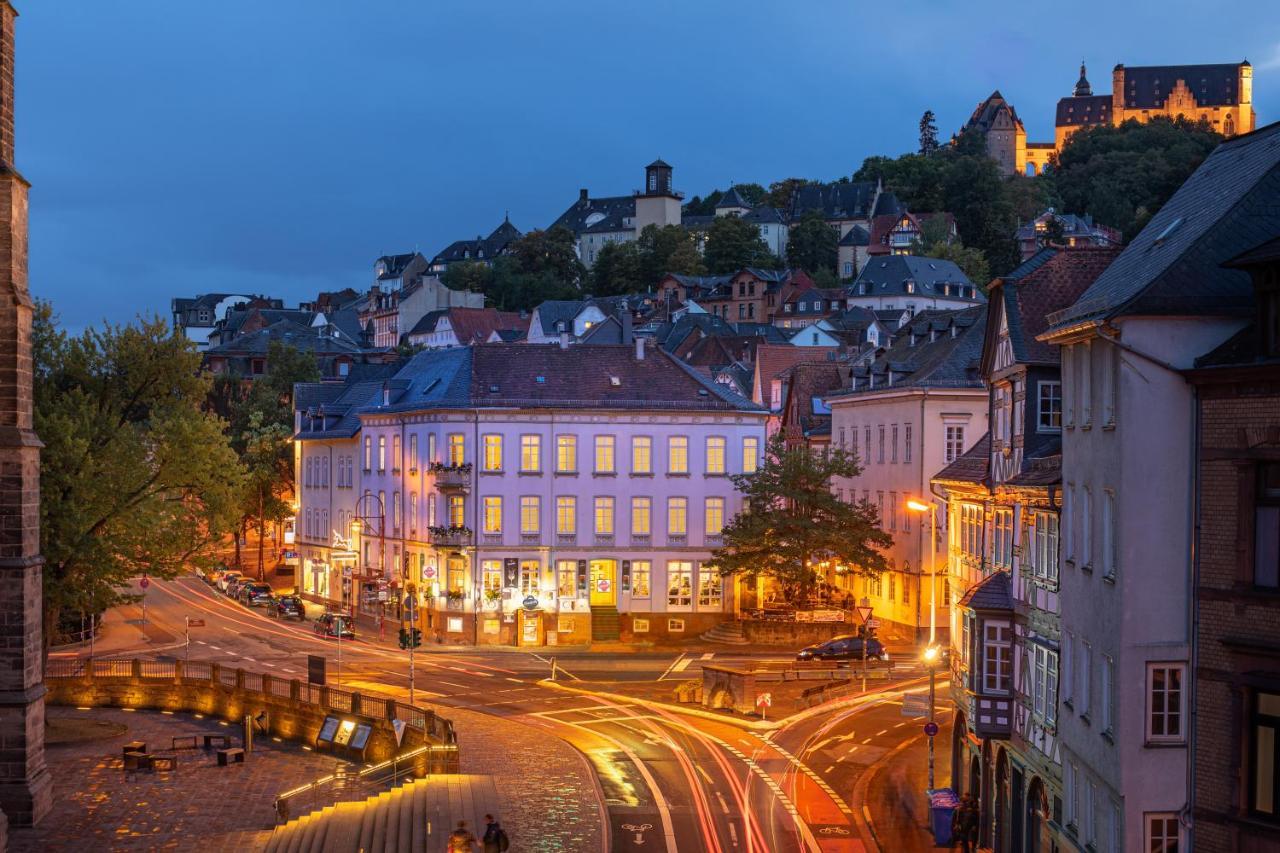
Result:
[449,537]
[452,476]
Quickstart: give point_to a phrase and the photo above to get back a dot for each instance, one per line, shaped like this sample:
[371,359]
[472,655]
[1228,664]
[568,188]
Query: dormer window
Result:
[911,287]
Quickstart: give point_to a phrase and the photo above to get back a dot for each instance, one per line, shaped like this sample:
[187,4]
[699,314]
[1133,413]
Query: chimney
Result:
[564,335]
[583,197]
[639,348]
[624,319]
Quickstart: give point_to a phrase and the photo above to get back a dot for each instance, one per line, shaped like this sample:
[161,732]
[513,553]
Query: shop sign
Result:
[530,602]
[510,572]
[428,571]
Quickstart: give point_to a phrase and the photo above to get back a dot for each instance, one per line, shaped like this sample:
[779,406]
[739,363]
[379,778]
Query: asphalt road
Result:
[670,781]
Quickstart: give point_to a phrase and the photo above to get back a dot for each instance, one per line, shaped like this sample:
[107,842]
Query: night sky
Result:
[178,147]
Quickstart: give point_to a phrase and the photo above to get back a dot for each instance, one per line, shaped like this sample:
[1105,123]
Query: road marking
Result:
[724,807]
[202,642]
[516,680]
[667,671]
[733,834]
[264,663]
[698,767]
[867,741]
[900,725]
[829,769]
[451,684]
[708,656]
[250,660]
[882,732]
[286,669]
[216,648]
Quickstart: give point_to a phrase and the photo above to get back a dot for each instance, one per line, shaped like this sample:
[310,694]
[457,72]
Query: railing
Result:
[452,476]
[451,537]
[340,786]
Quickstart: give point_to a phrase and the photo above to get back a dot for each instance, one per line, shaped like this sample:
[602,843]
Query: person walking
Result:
[964,825]
[461,840]
[495,837]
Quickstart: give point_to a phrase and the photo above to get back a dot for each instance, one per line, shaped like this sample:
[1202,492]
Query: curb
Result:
[861,814]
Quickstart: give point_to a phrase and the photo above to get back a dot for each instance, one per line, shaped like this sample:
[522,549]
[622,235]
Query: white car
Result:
[227,578]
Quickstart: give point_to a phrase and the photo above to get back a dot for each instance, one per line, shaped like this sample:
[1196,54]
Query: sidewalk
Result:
[122,629]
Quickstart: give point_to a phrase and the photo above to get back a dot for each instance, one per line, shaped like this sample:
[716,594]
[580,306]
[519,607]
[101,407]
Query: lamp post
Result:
[917,506]
[931,656]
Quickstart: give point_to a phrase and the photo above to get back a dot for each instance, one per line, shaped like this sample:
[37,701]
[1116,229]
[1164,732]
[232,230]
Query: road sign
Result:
[195,623]
[873,623]
[931,728]
[864,613]
[915,705]
[764,700]
[145,582]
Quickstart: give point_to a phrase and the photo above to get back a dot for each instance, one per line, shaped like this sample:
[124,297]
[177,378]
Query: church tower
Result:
[25,783]
[1082,89]
[657,204]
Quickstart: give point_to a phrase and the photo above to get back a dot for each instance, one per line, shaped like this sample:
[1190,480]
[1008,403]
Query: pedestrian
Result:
[495,837]
[964,824]
[461,840]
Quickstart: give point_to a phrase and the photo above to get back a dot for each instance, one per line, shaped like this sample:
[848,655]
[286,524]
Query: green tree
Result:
[974,194]
[812,245]
[137,475]
[476,276]
[916,180]
[268,462]
[553,252]
[796,521]
[936,241]
[619,269]
[668,249]
[928,134]
[1123,175]
[733,244]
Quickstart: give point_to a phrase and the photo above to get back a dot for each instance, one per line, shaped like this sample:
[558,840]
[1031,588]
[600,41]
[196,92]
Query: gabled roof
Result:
[856,236]
[395,264]
[773,359]
[936,349]
[994,592]
[481,248]
[887,275]
[597,214]
[849,200]
[985,114]
[1048,281]
[555,311]
[732,199]
[972,467]
[474,325]
[807,384]
[763,215]
[1173,266]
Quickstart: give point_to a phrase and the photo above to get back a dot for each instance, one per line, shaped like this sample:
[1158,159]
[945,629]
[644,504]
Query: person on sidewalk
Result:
[964,824]
[495,837]
[461,840]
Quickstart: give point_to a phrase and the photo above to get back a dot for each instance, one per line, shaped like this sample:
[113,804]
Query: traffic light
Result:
[416,637]
[404,638]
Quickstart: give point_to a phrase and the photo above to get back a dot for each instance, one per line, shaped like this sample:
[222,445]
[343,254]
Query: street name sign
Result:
[915,705]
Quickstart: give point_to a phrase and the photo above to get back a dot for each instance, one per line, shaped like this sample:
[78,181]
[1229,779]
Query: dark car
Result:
[847,648]
[333,625]
[287,607]
[254,594]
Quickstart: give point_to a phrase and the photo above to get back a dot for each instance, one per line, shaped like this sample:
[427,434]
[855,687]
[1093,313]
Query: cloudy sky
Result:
[178,147]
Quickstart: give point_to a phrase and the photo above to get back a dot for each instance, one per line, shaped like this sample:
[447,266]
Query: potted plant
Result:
[455,597]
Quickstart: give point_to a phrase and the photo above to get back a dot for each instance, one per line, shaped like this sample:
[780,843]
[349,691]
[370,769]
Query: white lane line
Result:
[829,769]
[216,648]
[515,680]
[882,732]
[900,725]
[733,834]
[724,807]
[202,642]
[286,669]
[451,684]
[273,666]
[667,671]
[698,767]
[867,741]
[708,656]
[250,660]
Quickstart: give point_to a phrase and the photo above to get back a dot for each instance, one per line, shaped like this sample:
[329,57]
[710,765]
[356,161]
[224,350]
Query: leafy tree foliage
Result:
[928,133]
[797,521]
[506,286]
[733,244]
[936,242]
[812,244]
[136,475]
[780,192]
[635,267]
[550,252]
[619,269]
[1123,175]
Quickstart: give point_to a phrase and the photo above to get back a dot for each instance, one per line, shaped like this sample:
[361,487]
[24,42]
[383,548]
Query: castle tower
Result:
[25,783]
[1245,87]
[657,204]
[1082,89]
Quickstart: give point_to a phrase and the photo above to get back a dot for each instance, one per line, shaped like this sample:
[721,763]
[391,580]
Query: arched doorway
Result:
[1000,816]
[959,731]
[1037,834]
[985,803]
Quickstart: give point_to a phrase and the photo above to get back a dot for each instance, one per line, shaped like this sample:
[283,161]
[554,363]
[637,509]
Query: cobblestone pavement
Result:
[216,808]
[549,795]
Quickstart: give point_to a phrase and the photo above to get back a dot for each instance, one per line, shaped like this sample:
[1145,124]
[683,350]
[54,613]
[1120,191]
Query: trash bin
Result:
[942,804]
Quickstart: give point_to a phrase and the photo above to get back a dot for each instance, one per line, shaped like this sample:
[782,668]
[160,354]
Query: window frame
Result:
[491,508]
[716,448]
[683,504]
[604,449]
[753,443]
[1178,714]
[1050,386]
[677,448]
[566,508]
[530,509]
[531,451]
[567,446]
[604,515]
[642,455]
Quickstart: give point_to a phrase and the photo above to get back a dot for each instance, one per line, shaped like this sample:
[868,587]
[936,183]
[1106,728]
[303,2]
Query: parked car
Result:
[333,624]
[225,579]
[287,607]
[842,649]
[233,588]
[254,594]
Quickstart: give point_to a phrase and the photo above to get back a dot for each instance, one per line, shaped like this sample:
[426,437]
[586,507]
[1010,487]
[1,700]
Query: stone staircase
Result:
[606,624]
[727,633]
[414,818]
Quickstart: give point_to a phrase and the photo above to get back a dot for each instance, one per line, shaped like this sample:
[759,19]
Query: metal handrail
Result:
[386,773]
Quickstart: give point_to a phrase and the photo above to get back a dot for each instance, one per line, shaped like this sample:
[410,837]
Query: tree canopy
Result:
[733,244]
[136,474]
[795,521]
[928,133]
[635,267]
[812,244]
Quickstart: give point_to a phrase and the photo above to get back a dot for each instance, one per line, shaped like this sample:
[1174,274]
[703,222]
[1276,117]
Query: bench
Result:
[135,762]
[184,741]
[229,754]
[225,740]
[135,746]
[164,762]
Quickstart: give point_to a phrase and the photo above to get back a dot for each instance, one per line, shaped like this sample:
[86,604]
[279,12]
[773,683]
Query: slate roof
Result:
[807,383]
[700,283]
[1044,470]
[849,200]
[481,248]
[396,264]
[1241,349]
[856,236]
[1048,281]
[613,209]
[1072,226]
[1173,266]
[972,466]
[763,216]
[887,275]
[554,311]
[984,115]
[1081,110]
[731,199]
[950,360]
[1148,86]
[583,376]
[286,331]
[994,592]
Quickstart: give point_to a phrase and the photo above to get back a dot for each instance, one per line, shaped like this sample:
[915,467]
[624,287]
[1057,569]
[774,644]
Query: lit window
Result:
[529,572]
[710,587]
[641,511]
[954,443]
[715,455]
[491,574]
[382,453]
[640,578]
[1264,761]
[492,452]
[566,454]
[396,459]
[677,516]
[604,454]
[530,515]
[531,453]
[457,449]
[566,515]
[641,455]
[714,516]
[678,454]
[1049,411]
[679,583]
[997,664]
[493,514]
[604,516]
[750,455]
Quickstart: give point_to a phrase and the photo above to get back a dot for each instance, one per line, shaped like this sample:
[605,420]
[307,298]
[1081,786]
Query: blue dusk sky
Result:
[179,147]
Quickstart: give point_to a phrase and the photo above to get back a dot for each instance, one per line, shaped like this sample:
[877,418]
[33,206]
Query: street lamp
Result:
[931,656]
[917,506]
